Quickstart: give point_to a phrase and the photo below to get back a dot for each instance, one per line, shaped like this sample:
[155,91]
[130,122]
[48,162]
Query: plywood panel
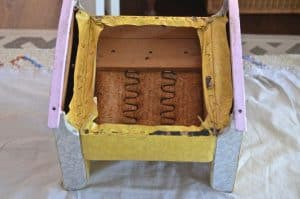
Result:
[149,53]
[33,14]
[148,47]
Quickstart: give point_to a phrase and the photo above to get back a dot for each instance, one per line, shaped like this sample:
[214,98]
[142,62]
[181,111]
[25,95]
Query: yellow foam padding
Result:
[139,145]
[134,146]
[191,22]
[128,129]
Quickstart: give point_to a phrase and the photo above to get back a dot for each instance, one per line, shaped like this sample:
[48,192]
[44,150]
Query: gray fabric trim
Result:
[72,163]
[224,166]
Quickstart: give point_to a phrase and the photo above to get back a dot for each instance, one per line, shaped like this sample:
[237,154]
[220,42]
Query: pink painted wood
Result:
[61,49]
[237,67]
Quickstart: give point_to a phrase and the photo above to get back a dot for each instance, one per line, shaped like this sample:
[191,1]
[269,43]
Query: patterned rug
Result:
[25,46]
[270,44]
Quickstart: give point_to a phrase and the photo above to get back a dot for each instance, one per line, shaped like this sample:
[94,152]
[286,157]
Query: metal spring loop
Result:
[167,112]
[131,97]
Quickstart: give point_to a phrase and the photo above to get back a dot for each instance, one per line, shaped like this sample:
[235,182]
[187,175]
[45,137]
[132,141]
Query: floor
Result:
[270,44]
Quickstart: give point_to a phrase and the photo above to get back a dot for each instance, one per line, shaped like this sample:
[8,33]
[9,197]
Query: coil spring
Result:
[167,113]
[131,94]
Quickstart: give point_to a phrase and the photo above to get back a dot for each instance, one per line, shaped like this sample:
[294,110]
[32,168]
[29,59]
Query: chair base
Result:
[75,169]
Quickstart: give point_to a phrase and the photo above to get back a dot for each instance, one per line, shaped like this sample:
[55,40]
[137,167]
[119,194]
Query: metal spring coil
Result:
[131,94]
[167,113]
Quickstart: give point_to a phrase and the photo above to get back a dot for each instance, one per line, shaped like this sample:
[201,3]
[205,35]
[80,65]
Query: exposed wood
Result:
[34,14]
[149,53]
[148,47]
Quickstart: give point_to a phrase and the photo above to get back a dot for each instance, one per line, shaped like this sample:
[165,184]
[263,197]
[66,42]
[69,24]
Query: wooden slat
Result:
[148,54]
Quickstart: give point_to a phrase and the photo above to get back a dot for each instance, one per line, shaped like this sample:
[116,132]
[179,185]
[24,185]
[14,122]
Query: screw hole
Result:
[185,52]
[113,50]
[53,108]
[146,58]
[150,51]
[240,111]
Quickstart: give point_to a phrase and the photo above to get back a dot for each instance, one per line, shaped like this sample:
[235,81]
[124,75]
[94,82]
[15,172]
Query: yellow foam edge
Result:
[148,147]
